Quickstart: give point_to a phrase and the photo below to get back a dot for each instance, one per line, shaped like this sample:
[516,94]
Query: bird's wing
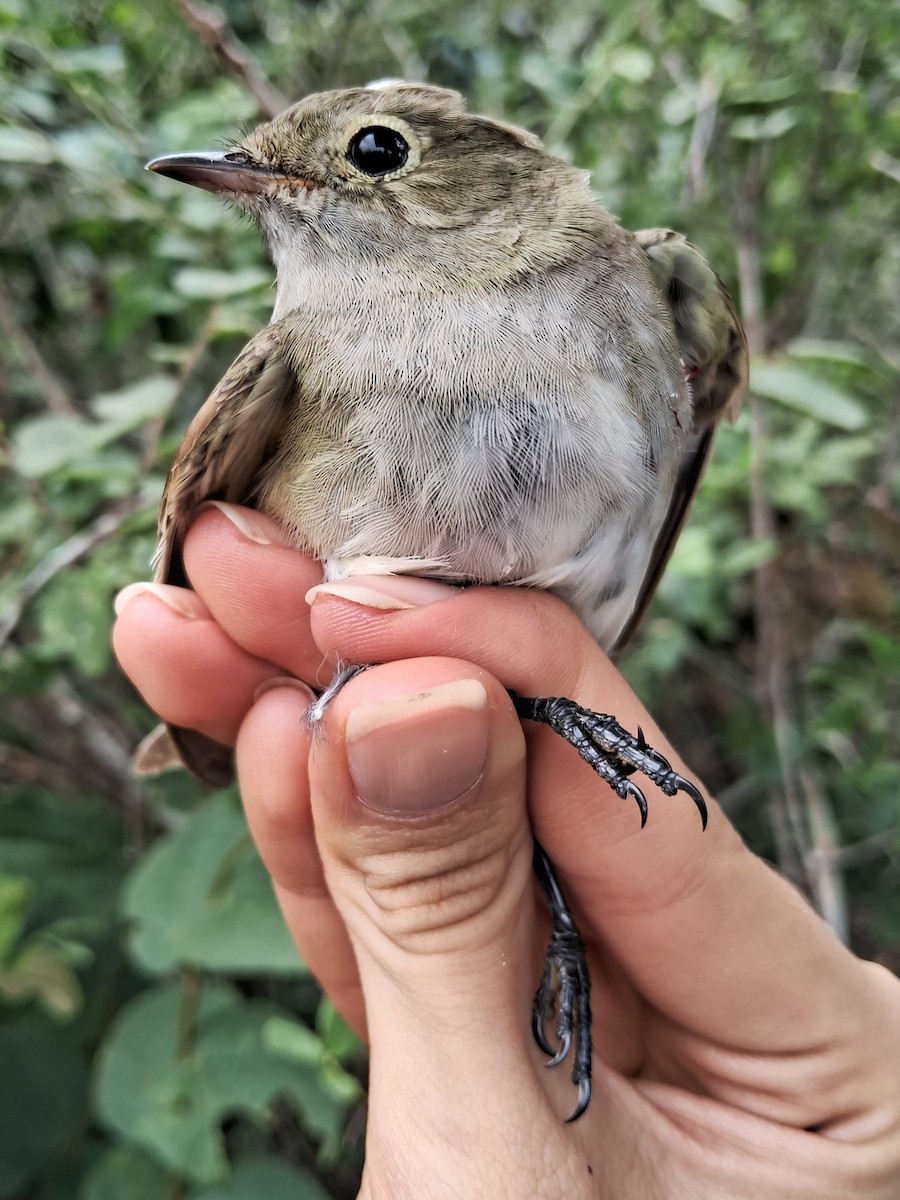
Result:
[221,457]
[716,364]
[227,444]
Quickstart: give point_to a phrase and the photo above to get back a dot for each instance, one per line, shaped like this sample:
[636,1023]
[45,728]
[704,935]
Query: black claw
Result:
[632,790]
[565,1045]
[537,1032]
[685,785]
[584,1099]
[641,740]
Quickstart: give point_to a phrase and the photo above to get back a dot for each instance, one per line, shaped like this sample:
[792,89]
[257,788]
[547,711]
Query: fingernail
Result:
[386,592]
[284,681]
[414,754]
[254,528]
[180,600]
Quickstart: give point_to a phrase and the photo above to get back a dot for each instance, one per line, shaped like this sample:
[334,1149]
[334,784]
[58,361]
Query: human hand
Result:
[740,1050]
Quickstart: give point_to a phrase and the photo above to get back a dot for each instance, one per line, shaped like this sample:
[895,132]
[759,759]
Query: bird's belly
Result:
[482,491]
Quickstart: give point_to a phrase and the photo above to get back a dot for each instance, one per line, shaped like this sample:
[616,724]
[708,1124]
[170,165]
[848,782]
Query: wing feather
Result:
[716,361]
[222,456]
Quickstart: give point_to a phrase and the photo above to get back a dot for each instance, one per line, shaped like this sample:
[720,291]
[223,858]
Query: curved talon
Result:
[632,790]
[565,1045]
[584,1099]
[537,1032]
[685,785]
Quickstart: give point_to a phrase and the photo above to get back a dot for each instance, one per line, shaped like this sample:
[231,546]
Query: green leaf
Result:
[42,1095]
[73,620]
[25,146]
[125,1173]
[132,406]
[39,973]
[202,897]
[799,389]
[52,441]
[255,1178]
[761,92]
[104,60]
[339,1038]
[290,1039]
[633,63]
[46,443]
[174,1106]
[729,10]
[150,1096]
[766,127]
[824,350]
[746,556]
[15,895]
[70,851]
[694,553]
[203,284]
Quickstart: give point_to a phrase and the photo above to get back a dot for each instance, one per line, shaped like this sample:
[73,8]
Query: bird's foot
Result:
[612,751]
[564,993]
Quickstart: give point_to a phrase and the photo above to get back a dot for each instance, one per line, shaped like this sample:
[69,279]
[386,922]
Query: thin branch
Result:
[212,27]
[705,114]
[153,429]
[876,845]
[821,863]
[772,674]
[57,395]
[64,556]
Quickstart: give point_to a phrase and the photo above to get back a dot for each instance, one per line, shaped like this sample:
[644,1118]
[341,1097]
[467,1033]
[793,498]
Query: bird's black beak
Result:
[231,171]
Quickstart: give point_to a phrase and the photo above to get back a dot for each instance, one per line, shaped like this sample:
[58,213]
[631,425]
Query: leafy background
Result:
[158,1037]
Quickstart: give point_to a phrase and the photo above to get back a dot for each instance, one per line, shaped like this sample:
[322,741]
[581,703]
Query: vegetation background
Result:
[158,1037]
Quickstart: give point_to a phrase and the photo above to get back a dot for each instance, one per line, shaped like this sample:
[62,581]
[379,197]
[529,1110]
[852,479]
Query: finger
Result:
[253,582]
[709,934]
[182,663]
[272,763]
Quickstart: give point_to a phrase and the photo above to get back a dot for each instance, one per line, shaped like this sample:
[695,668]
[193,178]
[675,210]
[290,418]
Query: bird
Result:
[472,372]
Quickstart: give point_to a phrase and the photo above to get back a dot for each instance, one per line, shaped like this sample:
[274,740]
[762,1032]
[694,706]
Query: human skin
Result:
[739,1049]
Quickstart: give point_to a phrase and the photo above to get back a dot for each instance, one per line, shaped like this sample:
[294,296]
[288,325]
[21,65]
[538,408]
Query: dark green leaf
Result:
[255,1179]
[42,1094]
[172,1104]
[799,389]
[202,897]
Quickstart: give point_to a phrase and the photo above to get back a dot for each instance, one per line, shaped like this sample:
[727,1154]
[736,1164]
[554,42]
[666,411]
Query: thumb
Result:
[418,800]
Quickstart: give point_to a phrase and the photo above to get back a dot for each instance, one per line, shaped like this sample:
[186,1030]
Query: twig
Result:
[212,27]
[875,845]
[153,429]
[771,661]
[822,865]
[705,112]
[188,1011]
[64,556]
[56,393]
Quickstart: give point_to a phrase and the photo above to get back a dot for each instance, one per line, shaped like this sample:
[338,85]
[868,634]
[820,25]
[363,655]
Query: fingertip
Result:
[181,601]
[271,753]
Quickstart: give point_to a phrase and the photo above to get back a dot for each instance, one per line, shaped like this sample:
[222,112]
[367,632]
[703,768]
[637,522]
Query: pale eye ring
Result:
[378,150]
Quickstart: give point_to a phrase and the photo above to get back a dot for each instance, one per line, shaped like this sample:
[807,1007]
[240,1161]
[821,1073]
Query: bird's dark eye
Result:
[377,150]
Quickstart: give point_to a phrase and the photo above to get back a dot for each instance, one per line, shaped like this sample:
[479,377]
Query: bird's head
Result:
[404,170]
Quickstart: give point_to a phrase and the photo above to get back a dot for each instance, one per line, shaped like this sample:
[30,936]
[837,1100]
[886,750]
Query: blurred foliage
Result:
[158,1037]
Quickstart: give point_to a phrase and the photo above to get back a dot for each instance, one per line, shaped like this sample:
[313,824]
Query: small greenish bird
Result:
[472,372]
